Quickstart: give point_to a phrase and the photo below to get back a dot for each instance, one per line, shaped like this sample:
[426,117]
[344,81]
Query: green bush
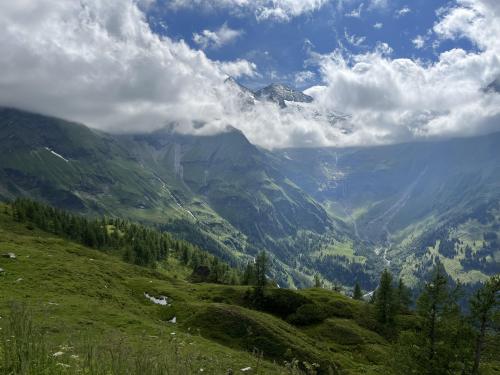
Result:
[279,302]
[307,314]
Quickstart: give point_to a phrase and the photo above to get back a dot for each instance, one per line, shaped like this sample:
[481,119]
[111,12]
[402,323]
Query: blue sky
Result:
[281,49]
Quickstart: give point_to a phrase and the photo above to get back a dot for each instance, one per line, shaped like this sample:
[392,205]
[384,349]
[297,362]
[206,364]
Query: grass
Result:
[68,309]
[58,296]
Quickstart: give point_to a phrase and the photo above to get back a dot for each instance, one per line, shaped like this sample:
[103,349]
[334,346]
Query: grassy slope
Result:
[77,292]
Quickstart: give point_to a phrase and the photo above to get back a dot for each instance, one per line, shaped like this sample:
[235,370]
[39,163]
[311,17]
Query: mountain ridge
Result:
[345,213]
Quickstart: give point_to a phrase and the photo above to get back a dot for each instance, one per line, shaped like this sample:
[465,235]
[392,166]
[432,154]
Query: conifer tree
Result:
[385,305]
[483,305]
[261,268]
[403,297]
[249,275]
[357,294]
[442,345]
[317,281]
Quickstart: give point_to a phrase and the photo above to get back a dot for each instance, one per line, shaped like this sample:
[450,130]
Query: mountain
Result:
[219,191]
[280,94]
[275,92]
[73,167]
[413,204]
[343,213]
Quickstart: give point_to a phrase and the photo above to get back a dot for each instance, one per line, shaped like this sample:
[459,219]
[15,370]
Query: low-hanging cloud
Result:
[98,62]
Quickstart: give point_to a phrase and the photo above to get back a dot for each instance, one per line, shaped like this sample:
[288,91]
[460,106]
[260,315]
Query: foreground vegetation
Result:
[68,307]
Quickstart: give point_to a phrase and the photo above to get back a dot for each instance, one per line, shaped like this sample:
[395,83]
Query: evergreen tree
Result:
[249,275]
[317,281]
[442,344]
[430,305]
[261,268]
[403,297]
[358,294]
[385,304]
[483,305]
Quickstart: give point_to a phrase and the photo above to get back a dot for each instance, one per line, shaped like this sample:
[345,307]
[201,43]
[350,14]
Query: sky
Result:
[380,71]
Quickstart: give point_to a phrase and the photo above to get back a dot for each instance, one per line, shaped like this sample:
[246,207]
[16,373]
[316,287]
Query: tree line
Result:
[136,243]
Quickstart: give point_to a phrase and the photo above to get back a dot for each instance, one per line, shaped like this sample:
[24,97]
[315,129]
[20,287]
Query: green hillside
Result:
[67,308]
[76,293]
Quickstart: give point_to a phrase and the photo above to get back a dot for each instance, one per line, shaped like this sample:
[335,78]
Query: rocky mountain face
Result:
[281,94]
[345,213]
[277,93]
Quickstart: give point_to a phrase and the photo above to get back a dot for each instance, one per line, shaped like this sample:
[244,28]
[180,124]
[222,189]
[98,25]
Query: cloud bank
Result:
[98,62]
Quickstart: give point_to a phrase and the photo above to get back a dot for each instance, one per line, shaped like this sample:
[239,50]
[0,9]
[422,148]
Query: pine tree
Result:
[483,304]
[317,281]
[442,346]
[403,297]
[385,305]
[261,268]
[358,294]
[249,275]
[430,305]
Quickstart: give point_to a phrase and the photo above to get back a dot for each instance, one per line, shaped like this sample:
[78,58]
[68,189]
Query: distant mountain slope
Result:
[220,191]
[405,198]
[74,167]
[345,213]
[235,178]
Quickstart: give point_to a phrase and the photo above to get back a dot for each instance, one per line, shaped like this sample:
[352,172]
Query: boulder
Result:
[9,255]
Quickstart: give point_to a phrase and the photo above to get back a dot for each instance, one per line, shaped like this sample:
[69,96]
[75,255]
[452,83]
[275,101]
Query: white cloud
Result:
[403,12]
[355,13]
[304,77]
[353,39]
[378,25]
[217,38]
[98,62]
[378,4]
[419,42]
[280,10]
[391,100]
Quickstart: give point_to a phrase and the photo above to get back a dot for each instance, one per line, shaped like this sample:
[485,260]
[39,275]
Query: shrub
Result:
[307,314]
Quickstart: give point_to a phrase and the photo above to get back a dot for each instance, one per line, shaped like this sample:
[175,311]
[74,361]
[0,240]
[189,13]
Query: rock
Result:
[1,271]
[9,255]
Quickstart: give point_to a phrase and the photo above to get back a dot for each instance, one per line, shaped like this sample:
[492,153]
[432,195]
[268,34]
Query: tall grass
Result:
[26,350]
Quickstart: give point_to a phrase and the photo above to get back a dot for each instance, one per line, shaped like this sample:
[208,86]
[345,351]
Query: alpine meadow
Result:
[299,187]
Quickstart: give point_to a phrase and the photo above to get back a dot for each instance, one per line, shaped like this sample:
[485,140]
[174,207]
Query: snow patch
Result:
[160,300]
[56,154]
